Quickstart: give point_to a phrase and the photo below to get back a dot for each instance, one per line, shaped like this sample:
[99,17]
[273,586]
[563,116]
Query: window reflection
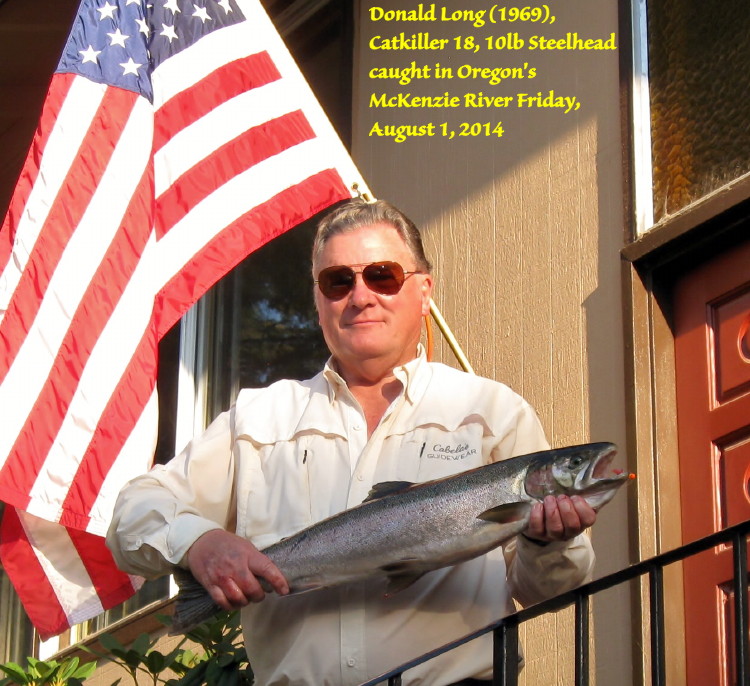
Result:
[261,320]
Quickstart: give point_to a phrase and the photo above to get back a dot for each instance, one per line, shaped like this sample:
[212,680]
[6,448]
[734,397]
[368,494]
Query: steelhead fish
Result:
[404,530]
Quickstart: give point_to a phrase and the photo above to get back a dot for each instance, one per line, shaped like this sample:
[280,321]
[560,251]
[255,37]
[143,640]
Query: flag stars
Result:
[201,13]
[130,67]
[225,5]
[106,11]
[118,38]
[168,32]
[143,27]
[90,55]
[172,5]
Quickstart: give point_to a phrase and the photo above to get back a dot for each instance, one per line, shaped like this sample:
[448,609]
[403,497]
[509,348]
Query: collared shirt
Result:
[287,456]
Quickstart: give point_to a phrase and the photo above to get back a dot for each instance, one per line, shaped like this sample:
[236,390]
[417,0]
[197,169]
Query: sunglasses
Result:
[385,278]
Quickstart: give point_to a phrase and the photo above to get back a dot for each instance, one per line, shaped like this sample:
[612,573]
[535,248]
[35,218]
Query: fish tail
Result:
[193,604]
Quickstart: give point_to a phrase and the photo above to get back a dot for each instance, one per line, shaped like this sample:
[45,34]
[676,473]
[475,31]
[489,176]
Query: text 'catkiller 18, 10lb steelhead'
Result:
[404,530]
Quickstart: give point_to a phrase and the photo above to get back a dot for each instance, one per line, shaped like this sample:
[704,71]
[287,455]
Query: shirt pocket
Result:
[432,452]
[275,494]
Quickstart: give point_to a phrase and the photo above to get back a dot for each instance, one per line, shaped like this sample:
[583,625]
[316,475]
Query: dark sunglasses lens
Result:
[385,277]
[336,282]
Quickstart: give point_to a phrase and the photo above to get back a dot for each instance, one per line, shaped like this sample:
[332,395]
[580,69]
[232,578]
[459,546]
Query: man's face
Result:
[364,325]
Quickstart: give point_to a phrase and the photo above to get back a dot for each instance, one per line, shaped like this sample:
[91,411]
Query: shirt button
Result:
[358,427]
[360,477]
[351,662]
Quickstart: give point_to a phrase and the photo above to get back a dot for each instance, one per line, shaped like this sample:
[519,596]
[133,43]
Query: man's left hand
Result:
[559,518]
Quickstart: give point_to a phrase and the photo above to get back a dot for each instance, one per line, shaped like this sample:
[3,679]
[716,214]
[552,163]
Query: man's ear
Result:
[426,294]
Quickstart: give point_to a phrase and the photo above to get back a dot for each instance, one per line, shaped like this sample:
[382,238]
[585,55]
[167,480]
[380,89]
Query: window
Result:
[698,57]
[261,321]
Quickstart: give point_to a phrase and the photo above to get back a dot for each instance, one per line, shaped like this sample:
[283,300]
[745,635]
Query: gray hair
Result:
[358,213]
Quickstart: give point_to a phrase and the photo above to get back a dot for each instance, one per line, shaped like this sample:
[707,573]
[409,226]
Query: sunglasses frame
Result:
[398,273]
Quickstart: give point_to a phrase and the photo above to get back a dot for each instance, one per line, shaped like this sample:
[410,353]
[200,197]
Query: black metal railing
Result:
[505,631]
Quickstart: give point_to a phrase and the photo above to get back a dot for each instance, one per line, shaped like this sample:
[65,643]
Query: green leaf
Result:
[15,673]
[85,670]
[155,662]
[111,644]
[67,668]
[194,677]
[141,645]
[134,658]
[46,669]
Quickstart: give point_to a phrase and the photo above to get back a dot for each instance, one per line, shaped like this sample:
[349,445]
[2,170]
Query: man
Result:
[294,453]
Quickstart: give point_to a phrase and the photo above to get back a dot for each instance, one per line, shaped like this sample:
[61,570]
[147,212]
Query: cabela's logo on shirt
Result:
[445,451]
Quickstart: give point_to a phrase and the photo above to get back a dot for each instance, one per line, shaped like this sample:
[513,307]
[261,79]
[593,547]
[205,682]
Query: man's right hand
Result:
[228,567]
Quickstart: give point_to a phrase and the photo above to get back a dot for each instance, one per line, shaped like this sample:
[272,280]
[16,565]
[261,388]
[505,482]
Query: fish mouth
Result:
[600,472]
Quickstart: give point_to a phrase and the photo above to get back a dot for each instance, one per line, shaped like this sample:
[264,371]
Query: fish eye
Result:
[575,462]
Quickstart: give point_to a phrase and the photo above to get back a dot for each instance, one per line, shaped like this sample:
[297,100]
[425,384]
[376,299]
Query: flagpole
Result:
[450,338]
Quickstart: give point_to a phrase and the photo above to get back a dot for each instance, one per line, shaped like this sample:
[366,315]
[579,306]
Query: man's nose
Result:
[361,295]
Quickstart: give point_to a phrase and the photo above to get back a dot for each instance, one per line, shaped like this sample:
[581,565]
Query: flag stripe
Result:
[31,582]
[249,189]
[220,126]
[94,311]
[227,82]
[30,170]
[79,261]
[118,419]
[62,143]
[119,341]
[183,70]
[134,458]
[231,159]
[112,586]
[255,228]
[69,206]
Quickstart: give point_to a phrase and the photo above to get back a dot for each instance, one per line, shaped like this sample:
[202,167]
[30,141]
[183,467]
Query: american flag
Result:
[177,137]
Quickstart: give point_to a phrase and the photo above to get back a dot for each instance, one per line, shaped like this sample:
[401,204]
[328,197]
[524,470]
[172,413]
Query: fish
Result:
[404,530]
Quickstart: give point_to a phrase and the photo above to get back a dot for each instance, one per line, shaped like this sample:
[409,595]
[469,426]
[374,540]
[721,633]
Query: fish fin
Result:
[385,488]
[193,605]
[507,513]
[402,574]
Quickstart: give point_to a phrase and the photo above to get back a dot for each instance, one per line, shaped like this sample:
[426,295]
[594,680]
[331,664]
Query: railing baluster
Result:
[739,545]
[656,606]
[505,653]
[582,640]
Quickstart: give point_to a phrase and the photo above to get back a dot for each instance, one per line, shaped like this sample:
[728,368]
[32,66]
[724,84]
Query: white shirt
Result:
[287,456]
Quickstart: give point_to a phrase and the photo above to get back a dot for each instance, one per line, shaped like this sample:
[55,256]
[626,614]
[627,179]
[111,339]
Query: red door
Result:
[712,348]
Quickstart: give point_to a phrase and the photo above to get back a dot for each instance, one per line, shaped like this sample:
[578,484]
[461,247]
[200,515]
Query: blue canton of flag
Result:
[119,43]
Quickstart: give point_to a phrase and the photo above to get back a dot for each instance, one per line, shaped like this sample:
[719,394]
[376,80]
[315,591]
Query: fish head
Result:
[583,470]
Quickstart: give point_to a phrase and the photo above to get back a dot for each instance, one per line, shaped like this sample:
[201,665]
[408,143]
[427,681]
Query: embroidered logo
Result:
[443,451]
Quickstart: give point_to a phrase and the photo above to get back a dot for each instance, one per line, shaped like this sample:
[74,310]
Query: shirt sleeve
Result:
[536,572]
[160,514]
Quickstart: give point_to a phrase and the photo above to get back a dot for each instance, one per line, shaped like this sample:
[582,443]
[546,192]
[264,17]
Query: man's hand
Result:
[229,567]
[559,518]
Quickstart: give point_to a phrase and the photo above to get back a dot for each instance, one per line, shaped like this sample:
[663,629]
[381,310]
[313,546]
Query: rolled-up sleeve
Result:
[537,572]
[159,515]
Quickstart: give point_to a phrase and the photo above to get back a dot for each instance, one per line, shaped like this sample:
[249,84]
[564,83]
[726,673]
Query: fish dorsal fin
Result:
[507,513]
[385,488]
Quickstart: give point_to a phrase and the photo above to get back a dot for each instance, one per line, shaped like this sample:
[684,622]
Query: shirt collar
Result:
[413,375]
